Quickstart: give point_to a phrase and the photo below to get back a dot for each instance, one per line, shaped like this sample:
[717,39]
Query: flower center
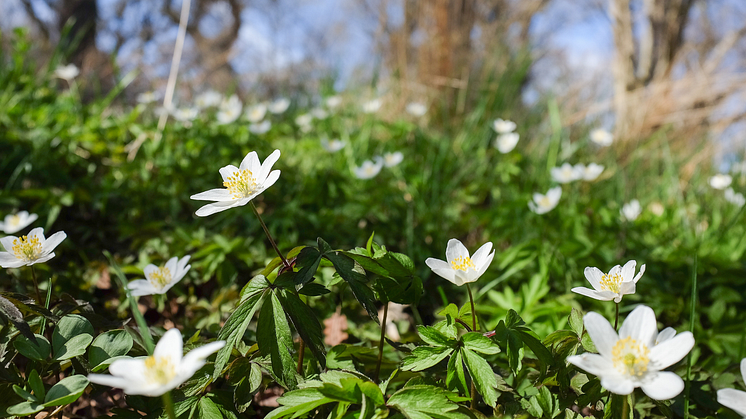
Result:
[241,184]
[462,263]
[611,282]
[27,249]
[14,220]
[630,357]
[160,277]
[159,370]
[544,202]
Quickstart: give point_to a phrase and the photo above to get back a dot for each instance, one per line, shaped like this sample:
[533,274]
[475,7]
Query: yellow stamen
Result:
[14,220]
[27,249]
[159,370]
[462,263]
[241,184]
[630,357]
[160,277]
[611,282]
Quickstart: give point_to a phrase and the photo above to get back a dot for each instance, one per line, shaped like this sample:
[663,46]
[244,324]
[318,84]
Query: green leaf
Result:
[346,269]
[616,407]
[297,403]
[425,402]
[25,408]
[547,402]
[37,350]
[308,260]
[247,387]
[433,337]
[477,342]
[66,391]
[312,289]
[208,409]
[71,336]
[306,324]
[482,375]
[108,345]
[256,285]
[11,312]
[24,394]
[75,346]
[274,339]
[37,386]
[576,321]
[425,357]
[236,325]
[456,377]
[541,351]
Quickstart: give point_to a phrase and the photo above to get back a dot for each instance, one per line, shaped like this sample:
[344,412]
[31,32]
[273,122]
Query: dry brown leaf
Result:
[334,332]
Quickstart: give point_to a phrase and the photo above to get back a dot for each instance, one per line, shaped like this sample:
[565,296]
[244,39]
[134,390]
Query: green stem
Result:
[301,353]
[168,405]
[269,236]
[381,342]
[474,328]
[36,285]
[616,318]
[46,304]
[692,319]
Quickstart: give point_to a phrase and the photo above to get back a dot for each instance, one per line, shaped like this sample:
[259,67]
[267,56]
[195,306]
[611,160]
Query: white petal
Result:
[480,256]
[251,162]
[743,368]
[617,383]
[7,262]
[626,288]
[639,274]
[53,241]
[455,249]
[108,380]
[433,264]
[662,385]
[665,335]
[195,359]
[227,171]
[216,207]
[7,242]
[38,232]
[592,363]
[640,325]
[594,275]
[171,265]
[733,399]
[271,179]
[42,259]
[671,351]
[213,195]
[170,346]
[148,289]
[598,295]
[601,332]
[628,271]
[486,264]
[267,165]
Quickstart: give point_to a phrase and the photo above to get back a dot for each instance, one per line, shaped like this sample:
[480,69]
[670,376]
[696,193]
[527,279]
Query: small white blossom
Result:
[14,223]
[279,106]
[158,280]
[230,110]
[333,101]
[566,173]
[368,169]
[731,196]
[732,398]
[332,146]
[602,137]
[502,126]
[631,210]
[416,109]
[261,127]
[256,113]
[155,375]
[590,172]
[185,114]
[208,99]
[147,97]
[544,203]
[67,72]
[304,120]
[619,282]
[392,159]
[632,358]
[29,250]
[372,106]
[319,113]
[458,267]
[656,208]
[505,143]
[720,181]
[242,184]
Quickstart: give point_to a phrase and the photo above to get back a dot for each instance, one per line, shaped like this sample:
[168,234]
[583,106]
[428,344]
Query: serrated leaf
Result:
[11,312]
[306,324]
[576,321]
[434,337]
[425,357]
[477,342]
[425,402]
[37,350]
[235,327]
[208,409]
[313,289]
[296,403]
[482,375]
[345,267]
[256,285]
[66,391]
[274,339]
[109,345]
[456,377]
[308,260]
[247,387]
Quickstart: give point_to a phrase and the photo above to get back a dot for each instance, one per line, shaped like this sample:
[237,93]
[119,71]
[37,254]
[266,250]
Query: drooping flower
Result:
[279,106]
[160,279]
[332,146]
[590,172]
[333,102]
[416,109]
[632,358]
[505,143]
[147,97]
[230,110]
[503,126]
[165,370]
[66,72]
[372,106]
[720,181]
[29,250]
[602,137]
[261,127]
[544,203]
[732,398]
[242,184]
[256,112]
[566,173]
[619,282]
[734,198]
[368,169]
[459,268]
[392,159]
[14,223]
[208,99]
[631,210]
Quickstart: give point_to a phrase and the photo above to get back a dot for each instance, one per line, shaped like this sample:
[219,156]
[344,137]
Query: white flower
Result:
[67,72]
[392,159]
[732,398]
[333,101]
[261,127]
[185,114]
[372,106]
[545,203]
[256,113]
[720,181]
[502,126]
[230,110]
[619,282]
[566,173]
[416,109]
[632,358]
[505,143]
[319,113]
[332,146]
[590,172]
[279,106]
[602,137]
[155,375]
[28,250]
[158,280]
[304,120]
[242,184]
[657,208]
[369,169]
[731,196]
[207,99]
[458,267]
[147,97]
[14,223]
[631,210]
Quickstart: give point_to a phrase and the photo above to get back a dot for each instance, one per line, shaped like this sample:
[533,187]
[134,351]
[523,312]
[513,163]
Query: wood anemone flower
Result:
[459,268]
